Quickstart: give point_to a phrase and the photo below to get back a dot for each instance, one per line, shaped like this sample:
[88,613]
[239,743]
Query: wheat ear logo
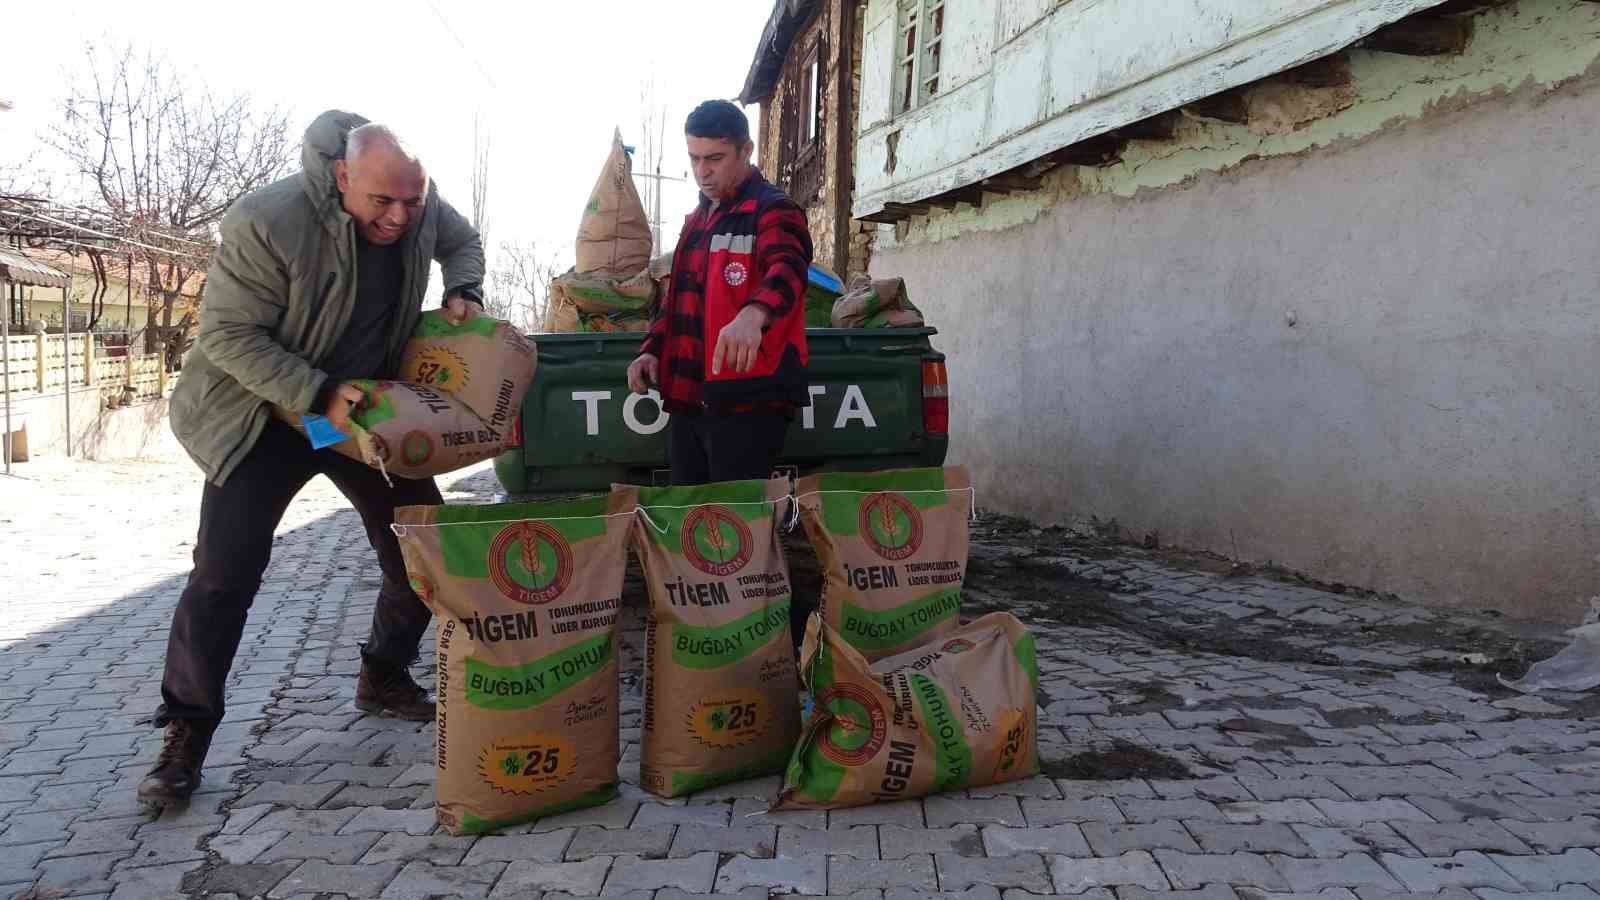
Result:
[530,562]
[891,525]
[858,726]
[716,541]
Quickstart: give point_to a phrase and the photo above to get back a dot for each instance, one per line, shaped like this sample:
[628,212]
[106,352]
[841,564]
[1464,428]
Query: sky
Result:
[549,81]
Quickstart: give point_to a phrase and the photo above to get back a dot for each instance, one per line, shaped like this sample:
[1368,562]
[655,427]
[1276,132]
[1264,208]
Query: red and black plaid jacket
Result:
[753,249]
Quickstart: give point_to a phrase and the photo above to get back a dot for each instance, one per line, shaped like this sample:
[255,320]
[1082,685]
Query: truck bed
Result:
[583,430]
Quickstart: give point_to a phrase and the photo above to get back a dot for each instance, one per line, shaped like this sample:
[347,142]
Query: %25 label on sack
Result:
[730,719]
[528,764]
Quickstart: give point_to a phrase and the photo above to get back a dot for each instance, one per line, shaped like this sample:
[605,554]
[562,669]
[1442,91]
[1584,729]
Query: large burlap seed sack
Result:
[721,692]
[877,304]
[564,317]
[484,362]
[412,431]
[526,597]
[610,294]
[893,549]
[614,235]
[599,302]
[560,316]
[955,713]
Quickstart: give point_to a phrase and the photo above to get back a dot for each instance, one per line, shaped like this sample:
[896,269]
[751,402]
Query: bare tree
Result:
[480,182]
[22,180]
[519,284]
[25,179]
[19,178]
[166,158]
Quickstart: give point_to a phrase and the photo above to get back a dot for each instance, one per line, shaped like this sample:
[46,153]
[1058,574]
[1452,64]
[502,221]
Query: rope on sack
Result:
[400,530]
[642,510]
[971,491]
[794,515]
[791,520]
[643,514]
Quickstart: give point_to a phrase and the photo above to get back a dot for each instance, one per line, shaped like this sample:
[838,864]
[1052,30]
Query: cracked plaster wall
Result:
[1356,337]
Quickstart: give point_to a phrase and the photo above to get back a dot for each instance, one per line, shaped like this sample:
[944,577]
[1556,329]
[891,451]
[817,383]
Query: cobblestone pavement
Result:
[1215,734]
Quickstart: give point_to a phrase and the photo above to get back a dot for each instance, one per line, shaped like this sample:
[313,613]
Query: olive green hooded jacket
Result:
[280,292]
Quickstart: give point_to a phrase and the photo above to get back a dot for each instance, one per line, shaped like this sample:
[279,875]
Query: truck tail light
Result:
[514,442]
[935,398]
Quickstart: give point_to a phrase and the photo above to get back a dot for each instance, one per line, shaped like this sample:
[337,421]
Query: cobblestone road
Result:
[1284,741]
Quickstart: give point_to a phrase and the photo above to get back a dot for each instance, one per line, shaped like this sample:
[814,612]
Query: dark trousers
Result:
[237,521]
[707,449]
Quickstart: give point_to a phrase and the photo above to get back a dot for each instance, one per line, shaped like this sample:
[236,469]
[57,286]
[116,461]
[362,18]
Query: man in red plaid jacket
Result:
[727,347]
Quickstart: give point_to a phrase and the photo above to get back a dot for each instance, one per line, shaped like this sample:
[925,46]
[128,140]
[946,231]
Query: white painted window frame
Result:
[814,98]
[914,25]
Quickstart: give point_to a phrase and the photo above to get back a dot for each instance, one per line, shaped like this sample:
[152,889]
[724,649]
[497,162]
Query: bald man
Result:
[318,281]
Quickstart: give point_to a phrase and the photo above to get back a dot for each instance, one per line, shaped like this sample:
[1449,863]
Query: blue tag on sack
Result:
[322,432]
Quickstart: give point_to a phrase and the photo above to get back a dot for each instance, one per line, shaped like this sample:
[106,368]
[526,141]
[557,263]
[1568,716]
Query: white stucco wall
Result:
[1363,348]
[1022,78]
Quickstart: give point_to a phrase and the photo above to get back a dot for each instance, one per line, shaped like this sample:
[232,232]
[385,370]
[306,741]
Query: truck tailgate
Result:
[582,429]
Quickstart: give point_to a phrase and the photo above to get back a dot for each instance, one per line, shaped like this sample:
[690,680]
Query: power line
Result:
[463,45]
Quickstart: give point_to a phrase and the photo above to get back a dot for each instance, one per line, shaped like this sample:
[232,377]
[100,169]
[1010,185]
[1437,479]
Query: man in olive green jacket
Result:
[319,279]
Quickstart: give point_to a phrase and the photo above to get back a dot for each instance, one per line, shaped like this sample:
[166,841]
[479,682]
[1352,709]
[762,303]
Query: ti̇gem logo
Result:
[416,448]
[891,526]
[859,728]
[716,541]
[530,562]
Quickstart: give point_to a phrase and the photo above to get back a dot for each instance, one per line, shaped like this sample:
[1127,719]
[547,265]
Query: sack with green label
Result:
[958,712]
[460,390]
[484,362]
[601,303]
[876,304]
[721,693]
[893,551]
[411,430]
[614,233]
[526,597]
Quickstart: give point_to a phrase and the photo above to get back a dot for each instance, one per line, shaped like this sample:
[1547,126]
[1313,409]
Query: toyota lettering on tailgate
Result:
[650,419]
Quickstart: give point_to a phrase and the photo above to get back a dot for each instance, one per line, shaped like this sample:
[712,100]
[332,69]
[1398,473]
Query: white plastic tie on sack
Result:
[662,529]
[385,472]
[645,515]
[792,521]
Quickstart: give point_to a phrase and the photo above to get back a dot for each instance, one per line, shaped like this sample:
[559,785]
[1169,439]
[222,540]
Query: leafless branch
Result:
[480,182]
[166,158]
[519,284]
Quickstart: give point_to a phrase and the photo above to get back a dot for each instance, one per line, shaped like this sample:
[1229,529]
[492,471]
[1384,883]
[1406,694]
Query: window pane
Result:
[814,104]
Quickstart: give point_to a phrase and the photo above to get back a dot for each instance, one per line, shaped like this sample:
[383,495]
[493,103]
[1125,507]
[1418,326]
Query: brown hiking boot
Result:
[177,770]
[385,690]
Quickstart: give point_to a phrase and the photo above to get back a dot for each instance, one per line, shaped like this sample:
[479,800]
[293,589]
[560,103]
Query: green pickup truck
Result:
[879,400]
